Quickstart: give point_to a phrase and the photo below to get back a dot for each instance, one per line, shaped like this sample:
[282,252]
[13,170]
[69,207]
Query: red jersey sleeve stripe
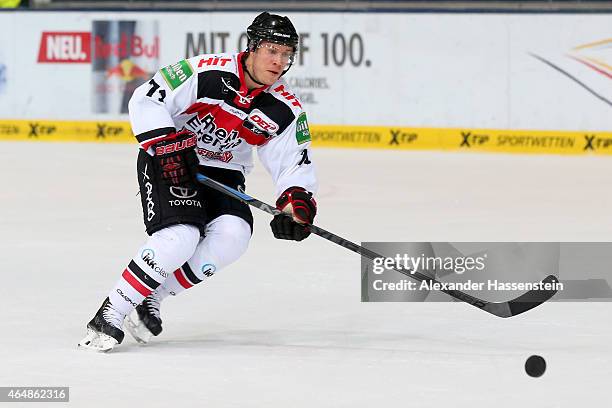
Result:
[146,139]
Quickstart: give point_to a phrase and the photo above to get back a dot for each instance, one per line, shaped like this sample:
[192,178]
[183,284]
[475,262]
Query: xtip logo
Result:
[470,139]
[104,130]
[398,137]
[36,129]
[592,142]
[65,47]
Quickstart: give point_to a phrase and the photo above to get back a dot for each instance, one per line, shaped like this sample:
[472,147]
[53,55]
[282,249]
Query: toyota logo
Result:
[182,192]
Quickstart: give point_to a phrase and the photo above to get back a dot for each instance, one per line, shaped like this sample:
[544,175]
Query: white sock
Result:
[165,250]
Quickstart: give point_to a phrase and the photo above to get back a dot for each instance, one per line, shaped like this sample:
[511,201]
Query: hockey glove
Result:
[298,203]
[177,158]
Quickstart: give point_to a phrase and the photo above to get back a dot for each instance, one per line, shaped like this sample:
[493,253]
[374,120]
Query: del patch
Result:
[302,133]
[177,74]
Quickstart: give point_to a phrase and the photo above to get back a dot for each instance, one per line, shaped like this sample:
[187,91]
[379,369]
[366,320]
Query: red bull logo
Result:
[128,46]
[127,70]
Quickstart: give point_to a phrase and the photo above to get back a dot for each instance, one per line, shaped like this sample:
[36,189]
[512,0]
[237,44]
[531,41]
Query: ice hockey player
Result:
[206,114]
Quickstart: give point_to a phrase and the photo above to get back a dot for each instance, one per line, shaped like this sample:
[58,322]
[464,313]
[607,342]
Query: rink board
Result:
[360,137]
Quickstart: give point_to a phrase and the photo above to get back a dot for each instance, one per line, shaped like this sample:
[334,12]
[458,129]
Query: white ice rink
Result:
[284,326]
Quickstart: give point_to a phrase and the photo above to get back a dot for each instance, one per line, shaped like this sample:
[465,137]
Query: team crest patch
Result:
[176,74]
[302,133]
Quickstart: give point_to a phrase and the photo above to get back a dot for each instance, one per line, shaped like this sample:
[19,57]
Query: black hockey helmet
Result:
[273,28]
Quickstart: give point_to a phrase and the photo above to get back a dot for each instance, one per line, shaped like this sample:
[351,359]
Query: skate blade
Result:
[98,342]
[137,329]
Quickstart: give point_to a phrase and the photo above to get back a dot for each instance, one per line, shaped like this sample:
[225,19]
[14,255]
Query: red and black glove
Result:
[302,208]
[177,158]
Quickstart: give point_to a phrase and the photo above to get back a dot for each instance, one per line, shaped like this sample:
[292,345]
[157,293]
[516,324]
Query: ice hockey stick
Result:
[523,303]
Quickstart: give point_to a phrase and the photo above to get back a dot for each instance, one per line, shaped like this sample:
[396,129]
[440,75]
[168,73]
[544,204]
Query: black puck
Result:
[535,366]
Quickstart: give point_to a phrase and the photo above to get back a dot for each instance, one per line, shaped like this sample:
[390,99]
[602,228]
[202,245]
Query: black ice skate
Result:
[104,330]
[145,322]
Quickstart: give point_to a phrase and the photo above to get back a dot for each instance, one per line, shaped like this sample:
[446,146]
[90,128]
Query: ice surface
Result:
[284,327]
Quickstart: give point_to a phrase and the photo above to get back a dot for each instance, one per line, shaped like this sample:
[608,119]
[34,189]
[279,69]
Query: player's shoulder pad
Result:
[218,62]
[282,92]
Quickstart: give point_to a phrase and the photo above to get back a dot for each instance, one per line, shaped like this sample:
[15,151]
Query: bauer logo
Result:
[65,47]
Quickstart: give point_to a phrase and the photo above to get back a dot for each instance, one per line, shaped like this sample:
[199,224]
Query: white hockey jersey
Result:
[207,95]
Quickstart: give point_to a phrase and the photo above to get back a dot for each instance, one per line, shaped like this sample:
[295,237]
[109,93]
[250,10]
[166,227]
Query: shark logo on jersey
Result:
[244,99]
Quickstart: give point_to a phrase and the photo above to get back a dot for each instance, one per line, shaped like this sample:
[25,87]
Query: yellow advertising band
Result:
[340,136]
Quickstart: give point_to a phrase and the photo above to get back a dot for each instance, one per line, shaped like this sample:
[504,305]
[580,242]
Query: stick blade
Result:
[526,301]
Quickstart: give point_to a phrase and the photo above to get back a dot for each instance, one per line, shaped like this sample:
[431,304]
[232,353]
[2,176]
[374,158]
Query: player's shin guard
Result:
[227,238]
